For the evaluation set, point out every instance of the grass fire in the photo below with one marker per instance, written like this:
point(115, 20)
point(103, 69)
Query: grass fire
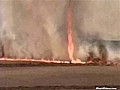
point(64, 31)
point(59, 44)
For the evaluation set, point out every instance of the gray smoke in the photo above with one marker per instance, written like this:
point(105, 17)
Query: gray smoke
point(38, 29)
point(34, 29)
point(96, 29)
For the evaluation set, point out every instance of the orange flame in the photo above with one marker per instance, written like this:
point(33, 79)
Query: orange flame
point(41, 61)
point(70, 42)
point(34, 60)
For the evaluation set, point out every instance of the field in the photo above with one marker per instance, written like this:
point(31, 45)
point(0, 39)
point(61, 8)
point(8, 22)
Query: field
point(56, 77)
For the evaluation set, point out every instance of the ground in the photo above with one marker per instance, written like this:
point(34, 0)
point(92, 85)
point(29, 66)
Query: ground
point(60, 76)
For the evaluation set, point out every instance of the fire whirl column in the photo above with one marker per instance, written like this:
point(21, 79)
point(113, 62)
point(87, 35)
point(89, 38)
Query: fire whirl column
point(69, 26)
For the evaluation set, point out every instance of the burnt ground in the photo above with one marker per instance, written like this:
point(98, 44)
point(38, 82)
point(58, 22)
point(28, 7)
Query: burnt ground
point(59, 77)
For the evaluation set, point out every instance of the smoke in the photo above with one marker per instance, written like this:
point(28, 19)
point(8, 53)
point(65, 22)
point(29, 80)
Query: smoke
point(96, 28)
point(34, 29)
point(38, 29)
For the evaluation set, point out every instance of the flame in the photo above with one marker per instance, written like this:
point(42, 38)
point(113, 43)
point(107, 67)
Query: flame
point(70, 39)
point(41, 60)
point(70, 47)
point(69, 24)
point(33, 60)
point(78, 61)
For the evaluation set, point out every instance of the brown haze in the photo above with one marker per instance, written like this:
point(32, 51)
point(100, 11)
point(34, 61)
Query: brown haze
point(38, 28)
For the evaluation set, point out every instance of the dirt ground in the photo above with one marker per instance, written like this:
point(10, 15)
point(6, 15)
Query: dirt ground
point(56, 76)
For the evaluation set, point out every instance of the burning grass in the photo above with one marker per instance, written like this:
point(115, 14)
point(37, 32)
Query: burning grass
point(43, 62)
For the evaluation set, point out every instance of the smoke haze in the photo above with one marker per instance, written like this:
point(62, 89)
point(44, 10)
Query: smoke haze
point(38, 29)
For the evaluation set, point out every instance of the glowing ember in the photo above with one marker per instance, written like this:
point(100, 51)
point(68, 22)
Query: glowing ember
point(70, 42)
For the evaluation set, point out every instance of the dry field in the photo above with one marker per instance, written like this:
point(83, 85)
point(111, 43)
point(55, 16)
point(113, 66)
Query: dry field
point(58, 77)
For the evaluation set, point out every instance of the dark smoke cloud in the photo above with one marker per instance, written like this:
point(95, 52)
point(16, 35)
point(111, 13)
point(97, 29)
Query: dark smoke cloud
point(38, 28)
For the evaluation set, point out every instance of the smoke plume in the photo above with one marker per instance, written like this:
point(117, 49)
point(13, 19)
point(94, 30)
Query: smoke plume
point(38, 29)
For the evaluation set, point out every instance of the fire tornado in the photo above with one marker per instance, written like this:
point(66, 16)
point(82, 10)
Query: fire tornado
point(69, 25)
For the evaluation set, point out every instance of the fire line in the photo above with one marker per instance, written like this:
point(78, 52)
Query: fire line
point(70, 46)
